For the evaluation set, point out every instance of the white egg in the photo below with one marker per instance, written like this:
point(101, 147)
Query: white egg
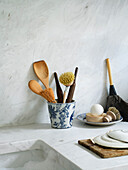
point(97, 109)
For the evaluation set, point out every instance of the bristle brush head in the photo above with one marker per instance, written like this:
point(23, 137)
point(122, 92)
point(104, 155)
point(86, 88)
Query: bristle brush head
point(67, 78)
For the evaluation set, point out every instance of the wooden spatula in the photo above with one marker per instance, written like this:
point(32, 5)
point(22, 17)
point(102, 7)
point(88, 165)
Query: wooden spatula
point(42, 72)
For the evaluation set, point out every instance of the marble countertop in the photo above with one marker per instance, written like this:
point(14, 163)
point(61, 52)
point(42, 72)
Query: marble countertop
point(63, 141)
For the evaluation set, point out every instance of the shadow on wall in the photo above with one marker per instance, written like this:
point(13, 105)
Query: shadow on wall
point(33, 110)
point(104, 91)
point(51, 80)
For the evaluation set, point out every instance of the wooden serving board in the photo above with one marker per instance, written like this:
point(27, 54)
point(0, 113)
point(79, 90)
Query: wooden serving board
point(103, 152)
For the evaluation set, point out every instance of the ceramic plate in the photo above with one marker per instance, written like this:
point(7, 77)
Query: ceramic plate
point(121, 135)
point(105, 140)
point(82, 117)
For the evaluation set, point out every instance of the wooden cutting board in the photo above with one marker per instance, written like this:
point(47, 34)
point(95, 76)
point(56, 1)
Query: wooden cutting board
point(103, 152)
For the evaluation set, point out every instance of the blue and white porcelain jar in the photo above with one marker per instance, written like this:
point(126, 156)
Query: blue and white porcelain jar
point(61, 114)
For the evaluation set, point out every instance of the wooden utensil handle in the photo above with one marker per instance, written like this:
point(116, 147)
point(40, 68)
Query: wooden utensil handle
point(109, 71)
point(71, 93)
point(58, 89)
point(72, 88)
point(64, 96)
point(76, 71)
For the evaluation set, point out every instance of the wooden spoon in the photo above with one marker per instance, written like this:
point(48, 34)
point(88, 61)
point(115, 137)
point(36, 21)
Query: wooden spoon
point(48, 93)
point(35, 87)
point(42, 72)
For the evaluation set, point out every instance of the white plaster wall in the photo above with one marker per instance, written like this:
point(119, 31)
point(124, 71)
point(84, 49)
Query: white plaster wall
point(66, 34)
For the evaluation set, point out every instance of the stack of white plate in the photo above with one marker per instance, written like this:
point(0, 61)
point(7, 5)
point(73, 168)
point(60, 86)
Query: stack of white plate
point(113, 139)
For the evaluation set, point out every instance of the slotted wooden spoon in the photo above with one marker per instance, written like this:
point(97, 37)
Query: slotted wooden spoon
point(42, 72)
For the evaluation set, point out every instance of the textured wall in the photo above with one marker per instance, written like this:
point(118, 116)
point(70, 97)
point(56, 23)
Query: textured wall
point(66, 34)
